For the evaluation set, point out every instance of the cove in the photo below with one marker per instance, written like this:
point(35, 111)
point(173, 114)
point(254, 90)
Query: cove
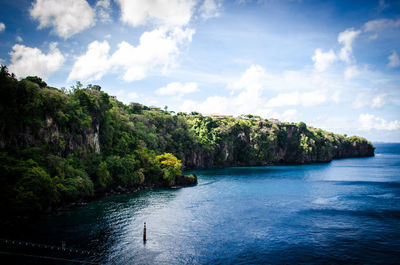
point(345, 211)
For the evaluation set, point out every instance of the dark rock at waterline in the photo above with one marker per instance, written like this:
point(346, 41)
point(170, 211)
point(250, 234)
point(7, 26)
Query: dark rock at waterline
point(186, 180)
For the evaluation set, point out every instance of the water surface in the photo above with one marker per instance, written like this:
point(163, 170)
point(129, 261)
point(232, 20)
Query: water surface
point(346, 211)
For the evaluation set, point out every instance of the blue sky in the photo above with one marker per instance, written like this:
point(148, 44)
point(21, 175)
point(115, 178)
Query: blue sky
point(332, 64)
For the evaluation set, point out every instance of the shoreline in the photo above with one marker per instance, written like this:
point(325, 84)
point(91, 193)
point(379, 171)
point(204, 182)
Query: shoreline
point(120, 191)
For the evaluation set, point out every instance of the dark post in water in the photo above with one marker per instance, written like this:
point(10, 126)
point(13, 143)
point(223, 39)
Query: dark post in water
point(63, 245)
point(144, 232)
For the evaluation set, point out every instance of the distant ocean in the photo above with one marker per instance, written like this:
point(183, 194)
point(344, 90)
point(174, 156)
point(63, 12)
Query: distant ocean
point(346, 211)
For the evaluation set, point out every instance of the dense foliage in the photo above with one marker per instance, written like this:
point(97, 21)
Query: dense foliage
point(59, 146)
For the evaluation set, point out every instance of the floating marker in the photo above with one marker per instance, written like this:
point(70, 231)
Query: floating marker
point(144, 232)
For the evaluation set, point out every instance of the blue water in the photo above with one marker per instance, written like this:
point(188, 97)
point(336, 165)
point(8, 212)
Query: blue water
point(346, 211)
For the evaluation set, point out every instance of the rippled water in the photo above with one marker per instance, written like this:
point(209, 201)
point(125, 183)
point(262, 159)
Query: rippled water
point(346, 211)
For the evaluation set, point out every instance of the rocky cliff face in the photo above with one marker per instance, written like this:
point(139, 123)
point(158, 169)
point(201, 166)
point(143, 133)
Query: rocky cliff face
point(50, 134)
point(293, 148)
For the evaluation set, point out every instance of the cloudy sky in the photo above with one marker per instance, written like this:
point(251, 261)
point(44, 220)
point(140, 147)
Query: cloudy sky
point(332, 64)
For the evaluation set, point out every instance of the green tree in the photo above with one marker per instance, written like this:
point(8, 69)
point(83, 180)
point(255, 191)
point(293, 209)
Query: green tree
point(170, 165)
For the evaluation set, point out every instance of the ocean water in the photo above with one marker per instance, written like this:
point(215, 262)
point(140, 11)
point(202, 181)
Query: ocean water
point(346, 211)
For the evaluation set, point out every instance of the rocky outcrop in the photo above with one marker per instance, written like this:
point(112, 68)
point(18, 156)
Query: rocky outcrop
point(186, 180)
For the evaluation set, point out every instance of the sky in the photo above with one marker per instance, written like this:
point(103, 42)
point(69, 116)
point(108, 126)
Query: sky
point(333, 64)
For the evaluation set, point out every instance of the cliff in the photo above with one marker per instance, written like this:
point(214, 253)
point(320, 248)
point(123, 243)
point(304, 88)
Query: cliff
point(251, 142)
point(62, 146)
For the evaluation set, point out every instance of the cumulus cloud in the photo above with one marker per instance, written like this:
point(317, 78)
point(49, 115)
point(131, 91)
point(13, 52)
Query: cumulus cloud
point(307, 99)
point(369, 100)
point(255, 92)
point(285, 99)
point(177, 89)
point(103, 10)
point(157, 48)
point(161, 12)
point(252, 80)
point(251, 93)
point(245, 97)
point(93, 64)
point(249, 88)
point(378, 101)
point(210, 8)
point(133, 95)
point(313, 98)
point(66, 17)
point(394, 60)
point(32, 61)
point(290, 115)
point(378, 25)
point(370, 121)
point(346, 38)
point(213, 104)
point(351, 72)
point(361, 100)
point(2, 27)
point(323, 60)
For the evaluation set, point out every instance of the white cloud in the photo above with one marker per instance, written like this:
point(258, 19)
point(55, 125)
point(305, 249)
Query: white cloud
point(351, 72)
point(373, 100)
point(378, 101)
point(133, 95)
point(161, 12)
point(93, 64)
point(103, 10)
point(290, 115)
point(250, 87)
point(307, 99)
point(32, 61)
point(67, 17)
point(177, 89)
point(346, 38)
point(245, 97)
point(369, 122)
point(210, 8)
point(157, 48)
point(2, 27)
point(255, 92)
point(313, 98)
point(285, 99)
point(213, 104)
point(323, 60)
point(373, 36)
point(19, 39)
point(250, 93)
point(253, 79)
point(361, 100)
point(394, 60)
point(378, 25)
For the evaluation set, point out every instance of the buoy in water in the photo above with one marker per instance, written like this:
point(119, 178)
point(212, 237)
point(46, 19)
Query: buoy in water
point(144, 232)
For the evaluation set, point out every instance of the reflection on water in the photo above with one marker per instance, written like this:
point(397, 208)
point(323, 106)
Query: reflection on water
point(347, 211)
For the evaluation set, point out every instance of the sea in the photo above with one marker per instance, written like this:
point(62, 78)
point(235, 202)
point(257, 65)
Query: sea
point(343, 212)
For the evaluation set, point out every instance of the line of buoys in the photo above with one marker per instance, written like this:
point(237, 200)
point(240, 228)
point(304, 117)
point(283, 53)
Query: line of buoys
point(63, 247)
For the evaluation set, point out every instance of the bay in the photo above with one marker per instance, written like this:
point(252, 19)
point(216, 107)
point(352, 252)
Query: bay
point(345, 211)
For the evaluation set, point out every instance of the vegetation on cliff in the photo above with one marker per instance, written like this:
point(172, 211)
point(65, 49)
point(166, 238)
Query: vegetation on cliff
point(59, 146)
